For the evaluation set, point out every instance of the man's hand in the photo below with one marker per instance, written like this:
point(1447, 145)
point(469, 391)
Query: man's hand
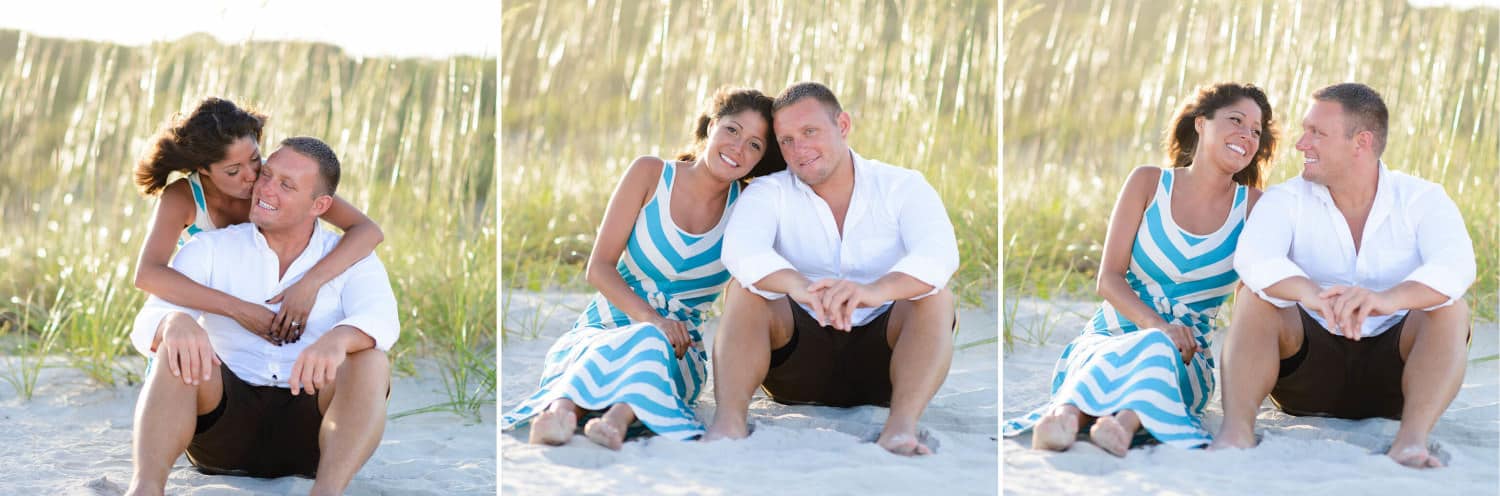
point(812, 299)
point(1348, 306)
point(839, 297)
point(186, 349)
point(317, 366)
point(256, 319)
point(677, 334)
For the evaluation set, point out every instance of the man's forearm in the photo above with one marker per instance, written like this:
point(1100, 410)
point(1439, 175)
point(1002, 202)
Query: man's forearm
point(784, 281)
point(351, 339)
point(899, 286)
point(1295, 288)
point(1412, 295)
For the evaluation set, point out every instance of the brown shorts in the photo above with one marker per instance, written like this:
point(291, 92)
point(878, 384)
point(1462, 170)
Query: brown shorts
point(1333, 376)
point(826, 366)
point(257, 431)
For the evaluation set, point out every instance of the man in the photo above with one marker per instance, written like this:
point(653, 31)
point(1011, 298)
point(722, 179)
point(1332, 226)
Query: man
point(862, 250)
point(1377, 263)
point(314, 406)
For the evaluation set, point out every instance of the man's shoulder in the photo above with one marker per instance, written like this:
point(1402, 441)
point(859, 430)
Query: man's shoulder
point(1294, 186)
point(1410, 187)
point(890, 176)
point(237, 233)
point(770, 183)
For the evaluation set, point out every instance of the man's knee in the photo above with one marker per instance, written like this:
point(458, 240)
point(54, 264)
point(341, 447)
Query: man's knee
point(371, 365)
point(737, 296)
point(1451, 322)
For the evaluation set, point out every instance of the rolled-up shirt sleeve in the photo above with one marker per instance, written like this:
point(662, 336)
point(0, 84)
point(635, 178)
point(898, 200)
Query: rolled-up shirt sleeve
point(1444, 245)
point(749, 251)
point(1263, 256)
point(369, 304)
point(194, 260)
point(927, 233)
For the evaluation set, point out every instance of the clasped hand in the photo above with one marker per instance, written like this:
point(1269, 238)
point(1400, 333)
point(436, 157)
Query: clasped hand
point(833, 301)
point(1346, 307)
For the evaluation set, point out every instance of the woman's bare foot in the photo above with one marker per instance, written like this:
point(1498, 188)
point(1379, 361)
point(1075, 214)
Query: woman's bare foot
point(603, 433)
point(609, 430)
point(1114, 432)
point(1057, 429)
point(554, 426)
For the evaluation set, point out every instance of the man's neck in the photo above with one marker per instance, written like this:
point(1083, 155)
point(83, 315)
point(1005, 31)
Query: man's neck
point(839, 187)
point(288, 244)
point(1355, 192)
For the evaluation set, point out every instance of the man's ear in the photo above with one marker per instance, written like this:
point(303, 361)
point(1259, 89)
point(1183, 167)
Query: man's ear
point(845, 123)
point(1365, 140)
point(321, 204)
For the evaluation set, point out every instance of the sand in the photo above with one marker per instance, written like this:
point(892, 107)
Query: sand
point(73, 437)
point(794, 450)
point(1298, 455)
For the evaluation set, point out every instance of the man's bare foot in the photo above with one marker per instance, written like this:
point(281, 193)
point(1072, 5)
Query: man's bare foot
point(1056, 430)
point(1233, 439)
point(603, 433)
point(904, 444)
point(1107, 433)
point(553, 427)
point(1414, 455)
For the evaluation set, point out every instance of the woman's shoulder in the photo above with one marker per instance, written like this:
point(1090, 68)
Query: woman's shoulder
point(1143, 179)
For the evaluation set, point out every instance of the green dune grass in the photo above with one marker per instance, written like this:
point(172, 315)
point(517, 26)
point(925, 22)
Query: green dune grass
point(416, 138)
point(1090, 86)
point(586, 90)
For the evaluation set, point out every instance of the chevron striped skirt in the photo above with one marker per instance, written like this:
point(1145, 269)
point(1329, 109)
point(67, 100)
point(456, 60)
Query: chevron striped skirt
point(635, 365)
point(1141, 370)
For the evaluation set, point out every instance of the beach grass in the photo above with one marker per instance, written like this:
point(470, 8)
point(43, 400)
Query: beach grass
point(1090, 86)
point(586, 90)
point(415, 137)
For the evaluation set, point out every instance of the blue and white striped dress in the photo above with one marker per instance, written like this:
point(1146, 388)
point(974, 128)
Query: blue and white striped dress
point(1114, 365)
point(201, 221)
point(607, 358)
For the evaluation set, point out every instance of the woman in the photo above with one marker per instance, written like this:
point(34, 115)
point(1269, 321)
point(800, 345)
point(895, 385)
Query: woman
point(1143, 360)
point(217, 147)
point(636, 352)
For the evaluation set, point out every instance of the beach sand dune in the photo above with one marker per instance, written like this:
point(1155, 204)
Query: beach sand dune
point(794, 449)
point(73, 437)
point(1298, 455)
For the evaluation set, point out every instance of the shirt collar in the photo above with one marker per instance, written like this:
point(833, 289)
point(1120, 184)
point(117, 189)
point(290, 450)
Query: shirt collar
point(1383, 186)
point(318, 233)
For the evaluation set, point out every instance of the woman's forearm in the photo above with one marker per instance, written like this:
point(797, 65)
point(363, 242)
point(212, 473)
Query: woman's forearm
point(613, 287)
point(358, 242)
point(1117, 292)
point(168, 284)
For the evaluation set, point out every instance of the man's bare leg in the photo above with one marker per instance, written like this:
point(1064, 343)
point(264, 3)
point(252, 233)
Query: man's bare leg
point(166, 414)
point(1433, 345)
point(353, 419)
point(1114, 432)
point(1057, 429)
point(556, 423)
point(609, 430)
point(1260, 334)
point(921, 339)
point(751, 327)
